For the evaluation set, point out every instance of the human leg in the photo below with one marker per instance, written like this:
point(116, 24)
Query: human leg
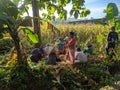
point(72, 55)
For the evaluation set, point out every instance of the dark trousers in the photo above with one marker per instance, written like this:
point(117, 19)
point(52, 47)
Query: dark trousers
point(109, 45)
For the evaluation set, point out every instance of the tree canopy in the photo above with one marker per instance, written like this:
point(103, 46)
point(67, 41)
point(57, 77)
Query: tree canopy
point(58, 6)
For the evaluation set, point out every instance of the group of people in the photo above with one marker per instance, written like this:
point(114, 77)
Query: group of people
point(69, 51)
point(65, 48)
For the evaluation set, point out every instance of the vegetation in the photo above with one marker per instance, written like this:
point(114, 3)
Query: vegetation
point(10, 16)
point(99, 73)
point(17, 72)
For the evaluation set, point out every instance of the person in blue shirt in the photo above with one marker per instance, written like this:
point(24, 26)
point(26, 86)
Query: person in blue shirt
point(112, 39)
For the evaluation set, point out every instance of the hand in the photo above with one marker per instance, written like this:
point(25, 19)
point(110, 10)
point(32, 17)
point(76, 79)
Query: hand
point(67, 45)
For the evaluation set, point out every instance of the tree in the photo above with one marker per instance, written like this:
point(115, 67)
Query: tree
point(111, 12)
point(9, 20)
point(36, 19)
point(53, 6)
point(10, 16)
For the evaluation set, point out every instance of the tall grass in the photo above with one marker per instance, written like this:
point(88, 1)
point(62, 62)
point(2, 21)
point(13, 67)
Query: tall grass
point(94, 33)
point(97, 34)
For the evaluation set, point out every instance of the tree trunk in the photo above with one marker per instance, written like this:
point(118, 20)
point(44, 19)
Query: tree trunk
point(21, 55)
point(36, 19)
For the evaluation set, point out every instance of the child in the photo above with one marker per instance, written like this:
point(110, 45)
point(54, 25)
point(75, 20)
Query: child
point(80, 56)
point(60, 46)
point(89, 49)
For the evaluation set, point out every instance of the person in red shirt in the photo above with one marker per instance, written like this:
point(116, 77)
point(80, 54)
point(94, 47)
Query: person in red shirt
point(71, 47)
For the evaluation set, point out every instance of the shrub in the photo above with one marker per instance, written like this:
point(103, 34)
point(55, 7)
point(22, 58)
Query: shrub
point(7, 43)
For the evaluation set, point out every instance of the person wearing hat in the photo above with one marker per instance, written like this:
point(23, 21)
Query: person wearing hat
point(71, 47)
point(112, 39)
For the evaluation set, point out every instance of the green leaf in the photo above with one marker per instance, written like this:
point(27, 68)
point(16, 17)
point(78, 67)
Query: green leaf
point(49, 19)
point(76, 14)
point(82, 14)
point(31, 35)
point(87, 11)
point(51, 9)
point(111, 11)
point(41, 6)
point(117, 25)
point(100, 38)
point(71, 12)
point(44, 15)
point(62, 3)
point(6, 19)
point(8, 8)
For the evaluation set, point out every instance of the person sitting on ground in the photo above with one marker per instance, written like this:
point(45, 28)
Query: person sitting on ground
point(89, 49)
point(112, 39)
point(64, 56)
point(80, 56)
point(47, 49)
point(60, 46)
point(37, 54)
point(52, 58)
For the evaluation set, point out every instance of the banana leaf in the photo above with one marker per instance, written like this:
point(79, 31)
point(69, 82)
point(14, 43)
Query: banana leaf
point(31, 35)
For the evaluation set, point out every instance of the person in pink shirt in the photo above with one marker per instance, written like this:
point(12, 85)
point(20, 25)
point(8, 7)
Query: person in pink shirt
point(71, 47)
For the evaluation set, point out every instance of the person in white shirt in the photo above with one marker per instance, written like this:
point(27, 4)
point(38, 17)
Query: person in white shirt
point(80, 56)
point(47, 49)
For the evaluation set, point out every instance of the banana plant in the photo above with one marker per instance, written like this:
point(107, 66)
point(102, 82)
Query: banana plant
point(112, 17)
point(10, 21)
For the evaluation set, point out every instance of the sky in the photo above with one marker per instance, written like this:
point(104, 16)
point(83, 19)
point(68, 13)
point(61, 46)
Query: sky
point(95, 6)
